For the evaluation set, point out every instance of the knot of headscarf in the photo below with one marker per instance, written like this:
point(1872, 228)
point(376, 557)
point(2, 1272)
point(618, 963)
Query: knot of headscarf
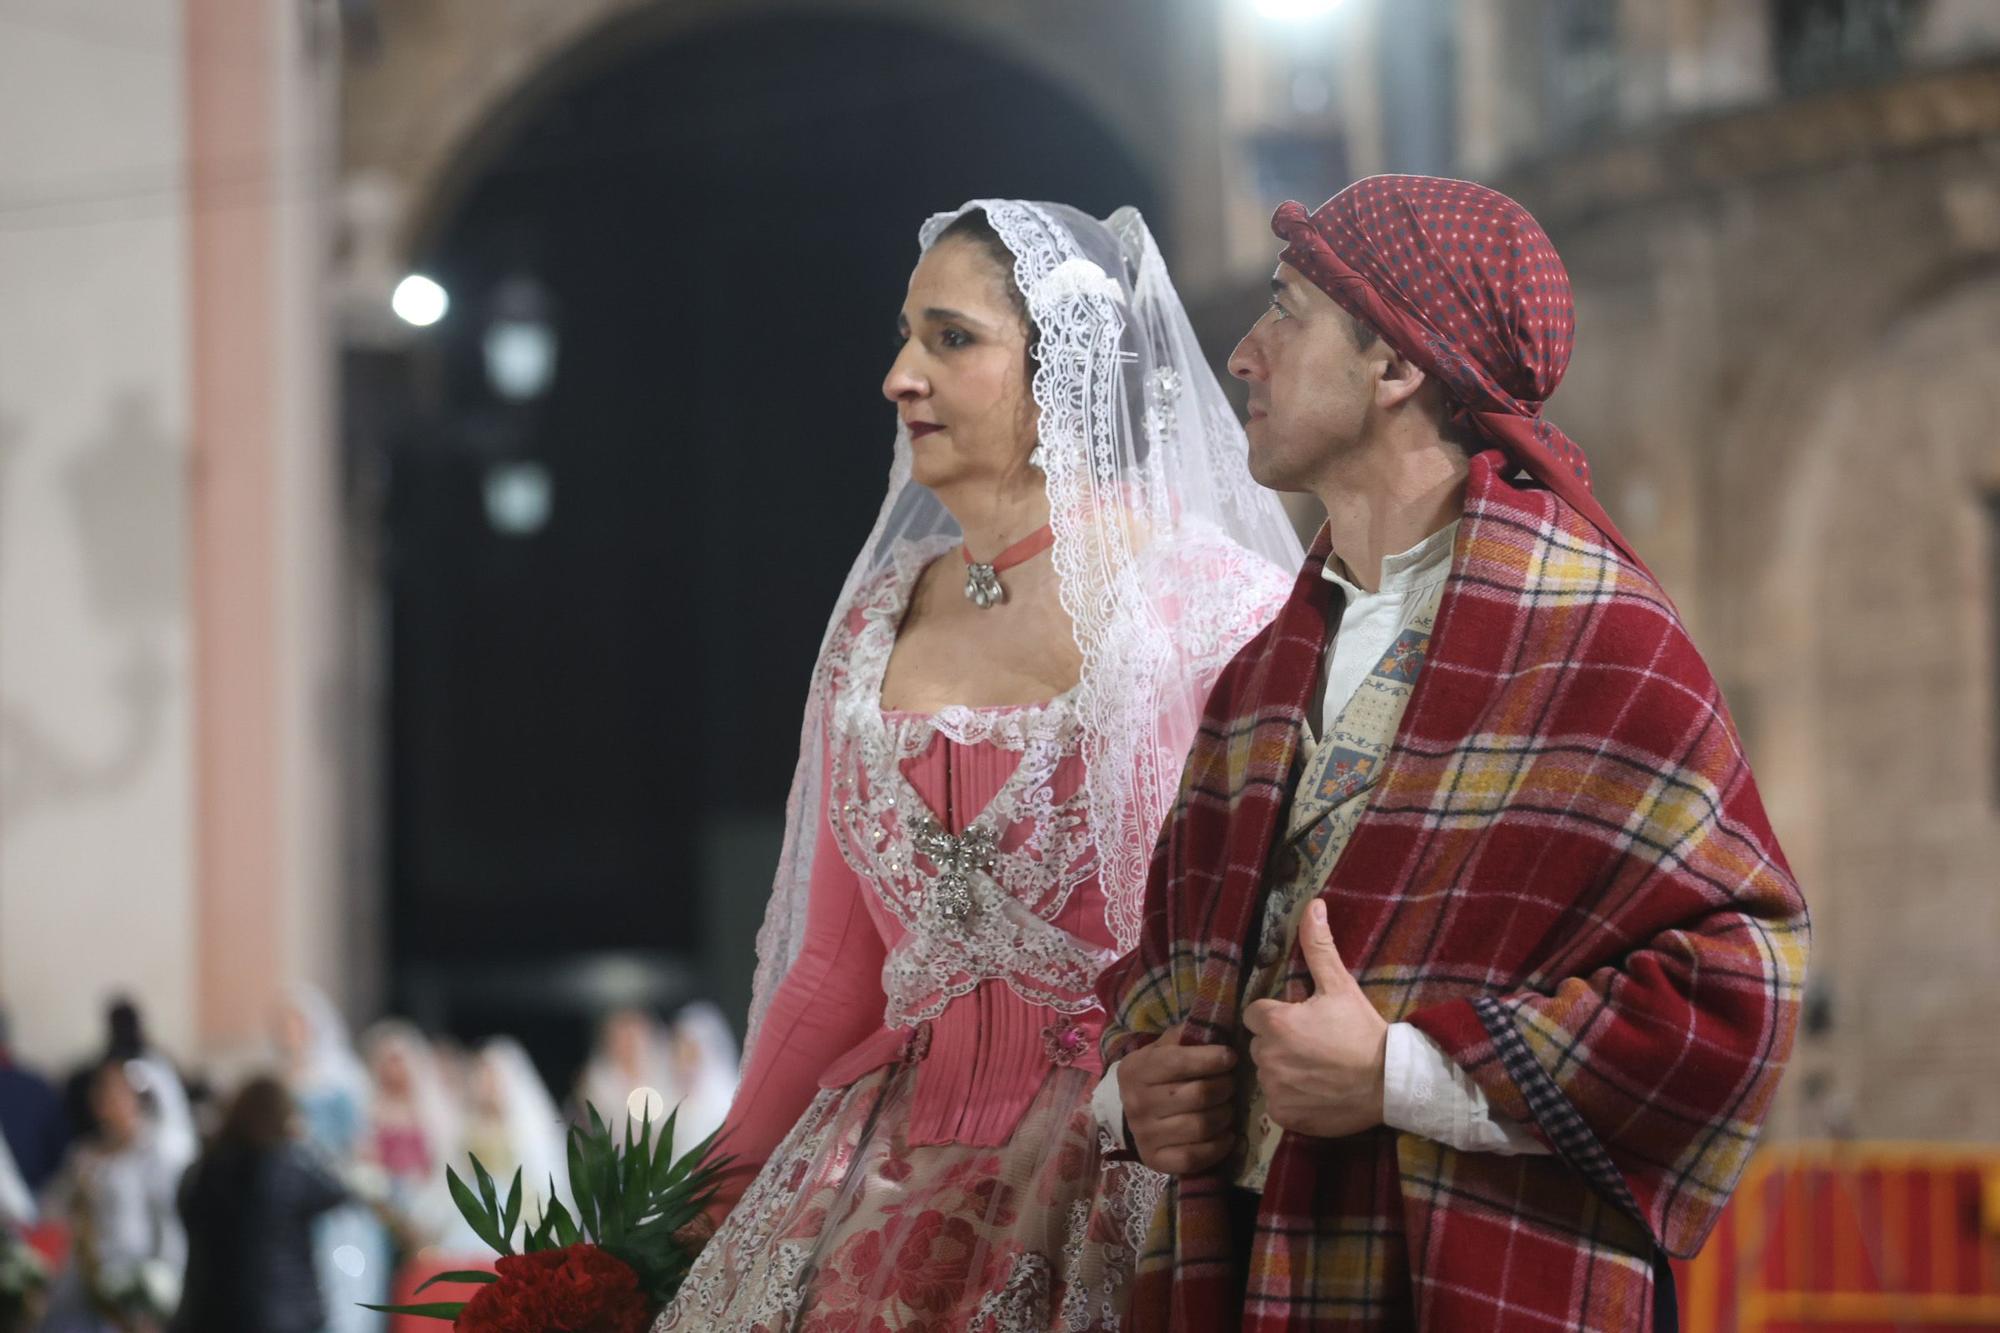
point(1461, 280)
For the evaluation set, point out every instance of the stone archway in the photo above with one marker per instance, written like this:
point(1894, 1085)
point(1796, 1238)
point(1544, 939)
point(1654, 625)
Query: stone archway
point(453, 79)
point(1875, 674)
point(683, 209)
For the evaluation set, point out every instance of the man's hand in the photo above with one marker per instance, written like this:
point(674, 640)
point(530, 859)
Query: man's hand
point(1319, 1062)
point(1179, 1103)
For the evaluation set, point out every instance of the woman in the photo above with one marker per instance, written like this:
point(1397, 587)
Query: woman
point(250, 1206)
point(1070, 549)
point(118, 1195)
point(330, 1086)
point(630, 1075)
point(703, 1052)
point(511, 1124)
point(413, 1127)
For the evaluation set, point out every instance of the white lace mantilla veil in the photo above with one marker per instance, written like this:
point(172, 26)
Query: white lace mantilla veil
point(1166, 552)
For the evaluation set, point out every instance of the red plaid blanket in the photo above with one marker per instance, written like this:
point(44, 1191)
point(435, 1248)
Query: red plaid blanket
point(1564, 876)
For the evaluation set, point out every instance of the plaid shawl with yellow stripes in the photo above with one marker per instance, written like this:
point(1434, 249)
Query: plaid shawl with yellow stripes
point(1564, 877)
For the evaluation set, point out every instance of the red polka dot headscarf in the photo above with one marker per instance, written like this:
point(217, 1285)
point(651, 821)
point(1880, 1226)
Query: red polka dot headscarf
point(1462, 281)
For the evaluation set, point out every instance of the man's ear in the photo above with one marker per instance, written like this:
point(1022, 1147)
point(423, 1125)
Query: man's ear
point(1401, 380)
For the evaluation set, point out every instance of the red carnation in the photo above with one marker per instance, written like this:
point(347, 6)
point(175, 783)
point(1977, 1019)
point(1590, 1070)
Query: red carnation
point(577, 1289)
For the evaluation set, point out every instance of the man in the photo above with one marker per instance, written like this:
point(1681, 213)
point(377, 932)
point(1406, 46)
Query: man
point(32, 1129)
point(1469, 961)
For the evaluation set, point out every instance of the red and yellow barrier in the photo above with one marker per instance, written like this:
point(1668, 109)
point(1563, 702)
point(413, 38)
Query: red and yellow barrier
point(1854, 1238)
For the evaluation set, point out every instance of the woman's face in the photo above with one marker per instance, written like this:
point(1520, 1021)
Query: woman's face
point(487, 1090)
point(628, 1039)
point(960, 380)
point(116, 1105)
point(392, 1070)
point(294, 1033)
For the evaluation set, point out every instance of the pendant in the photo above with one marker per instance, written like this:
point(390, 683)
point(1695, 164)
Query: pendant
point(982, 586)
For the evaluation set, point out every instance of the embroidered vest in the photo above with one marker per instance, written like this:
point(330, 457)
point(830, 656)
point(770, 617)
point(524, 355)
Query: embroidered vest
point(1336, 775)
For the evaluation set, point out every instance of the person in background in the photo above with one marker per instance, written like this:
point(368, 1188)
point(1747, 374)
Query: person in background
point(17, 1202)
point(631, 1072)
point(331, 1088)
point(124, 1039)
point(117, 1194)
point(250, 1206)
point(32, 1124)
point(413, 1127)
point(511, 1123)
point(704, 1057)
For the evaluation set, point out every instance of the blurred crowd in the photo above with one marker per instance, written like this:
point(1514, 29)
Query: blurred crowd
point(136, 1197)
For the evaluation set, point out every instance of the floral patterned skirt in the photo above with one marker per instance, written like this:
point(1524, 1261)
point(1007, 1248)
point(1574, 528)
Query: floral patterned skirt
point(849, 1227)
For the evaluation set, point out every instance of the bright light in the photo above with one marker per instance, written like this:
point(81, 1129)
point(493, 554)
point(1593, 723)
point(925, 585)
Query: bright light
point(518, 497)
point(419, 301)
point(1294, 10)
point(646, 1105)
point(520, 359)
point(350, 1261)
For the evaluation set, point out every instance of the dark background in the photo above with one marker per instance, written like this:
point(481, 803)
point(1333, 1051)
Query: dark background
point(593, 727)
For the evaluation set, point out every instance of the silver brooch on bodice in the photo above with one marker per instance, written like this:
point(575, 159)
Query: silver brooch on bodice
point(982, 586)
point(958, 858)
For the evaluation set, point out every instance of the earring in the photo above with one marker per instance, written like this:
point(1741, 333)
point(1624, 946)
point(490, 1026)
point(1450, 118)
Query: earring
point(1036, 458)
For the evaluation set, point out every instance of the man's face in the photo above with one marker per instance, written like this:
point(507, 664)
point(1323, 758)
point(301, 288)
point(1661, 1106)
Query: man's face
point(1310, 384)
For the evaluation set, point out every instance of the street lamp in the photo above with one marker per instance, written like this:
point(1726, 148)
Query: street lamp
point(519, 342)
point(1294, 11)
point(420, 301)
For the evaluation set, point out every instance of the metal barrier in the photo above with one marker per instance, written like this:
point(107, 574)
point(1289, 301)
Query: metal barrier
point(1866, 1237)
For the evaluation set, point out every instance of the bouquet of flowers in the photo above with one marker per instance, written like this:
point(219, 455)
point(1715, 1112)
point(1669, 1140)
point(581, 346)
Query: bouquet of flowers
point(24, 1281)
point(145, 1293)
point(608, 1268)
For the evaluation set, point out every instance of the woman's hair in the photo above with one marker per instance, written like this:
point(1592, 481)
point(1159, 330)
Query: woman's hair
point(260, 1117)
point(973, 225)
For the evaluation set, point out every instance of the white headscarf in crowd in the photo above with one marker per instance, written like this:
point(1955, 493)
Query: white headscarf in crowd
point(705, 1061)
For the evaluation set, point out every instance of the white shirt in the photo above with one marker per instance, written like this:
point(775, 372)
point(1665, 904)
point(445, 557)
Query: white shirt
point(17, 1205)
point(1424, 1092)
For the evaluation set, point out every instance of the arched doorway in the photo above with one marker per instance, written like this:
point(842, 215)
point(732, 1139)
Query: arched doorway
point(595, 708)
point(1877, 745)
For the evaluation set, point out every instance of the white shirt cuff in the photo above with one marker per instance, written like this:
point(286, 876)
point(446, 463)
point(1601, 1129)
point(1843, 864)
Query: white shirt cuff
point(1425, 1092)
point(1108, 1105)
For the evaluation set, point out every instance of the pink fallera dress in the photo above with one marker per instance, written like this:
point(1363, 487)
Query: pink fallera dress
point(913, 1136)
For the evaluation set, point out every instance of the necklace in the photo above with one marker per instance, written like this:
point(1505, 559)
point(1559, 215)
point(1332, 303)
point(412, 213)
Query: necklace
point(982, 581)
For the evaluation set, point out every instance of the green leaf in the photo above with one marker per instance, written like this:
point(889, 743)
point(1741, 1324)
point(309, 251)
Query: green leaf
point(566, 1231)
point(625, 1171)
point(446, 1310)
point(489, 1194)
point(542, 1237)
point(468, 1203)
point(659, 1151)
point(512, 1217)
point(482, 1223)
point(580, 1186)
point(478, 1275)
